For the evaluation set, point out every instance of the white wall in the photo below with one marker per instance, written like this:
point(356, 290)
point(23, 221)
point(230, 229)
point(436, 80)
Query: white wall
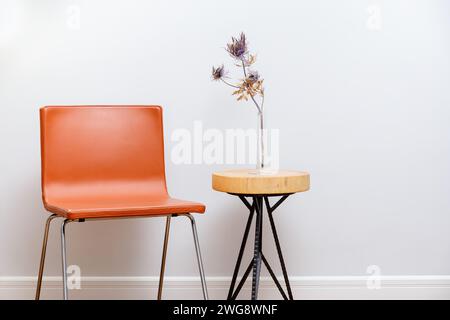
point(365, 111)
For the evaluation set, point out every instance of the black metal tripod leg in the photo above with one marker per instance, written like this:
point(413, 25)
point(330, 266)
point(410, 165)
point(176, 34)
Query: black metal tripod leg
point(272, 274)
point(277, 243)
point(241, 250)
point(241, 283)
point(257, 249)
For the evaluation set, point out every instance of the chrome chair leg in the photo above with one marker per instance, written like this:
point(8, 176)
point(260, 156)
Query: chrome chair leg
point(64, 260)
point(199, 256)
point(44, 250)
point(164, 254)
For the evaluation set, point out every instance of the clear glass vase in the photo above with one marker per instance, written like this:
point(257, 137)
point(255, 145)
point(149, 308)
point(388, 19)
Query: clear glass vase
point(260, 143)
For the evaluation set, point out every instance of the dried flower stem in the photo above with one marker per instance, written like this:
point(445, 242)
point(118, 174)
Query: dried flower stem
point(262, 136)
point(251, 96)
point(261, 117)
point(229, 84)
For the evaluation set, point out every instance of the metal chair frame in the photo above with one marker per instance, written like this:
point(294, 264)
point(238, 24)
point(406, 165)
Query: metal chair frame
point(163, 259)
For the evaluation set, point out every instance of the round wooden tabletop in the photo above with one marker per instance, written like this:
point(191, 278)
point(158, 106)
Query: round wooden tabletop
point(246, 181)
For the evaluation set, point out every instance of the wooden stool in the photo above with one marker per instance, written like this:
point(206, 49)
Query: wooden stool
point(245, 183)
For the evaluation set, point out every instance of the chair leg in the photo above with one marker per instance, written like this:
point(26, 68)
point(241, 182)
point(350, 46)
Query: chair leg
point(164, 254)
point(44, 250)
point(64, 260)
point(199, 256)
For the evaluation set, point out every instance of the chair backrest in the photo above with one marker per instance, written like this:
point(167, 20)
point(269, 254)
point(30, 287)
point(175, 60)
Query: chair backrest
point(95, 151)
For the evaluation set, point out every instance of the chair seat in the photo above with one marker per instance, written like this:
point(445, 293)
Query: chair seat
point(125, 206)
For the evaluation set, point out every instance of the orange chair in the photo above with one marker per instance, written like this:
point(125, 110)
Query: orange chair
point(106, 162)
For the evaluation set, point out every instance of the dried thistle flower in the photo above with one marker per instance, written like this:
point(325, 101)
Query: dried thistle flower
point(218, 73)
point(252, 84)
point(252, 76)
point(249, 60)
point(238, 47)
point(249, 88)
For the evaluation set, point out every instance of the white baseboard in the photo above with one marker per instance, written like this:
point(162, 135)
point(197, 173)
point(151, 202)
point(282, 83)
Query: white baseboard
point(326, 287)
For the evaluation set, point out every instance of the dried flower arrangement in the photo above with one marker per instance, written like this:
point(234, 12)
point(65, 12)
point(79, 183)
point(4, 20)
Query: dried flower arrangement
point(249, 87)
point(252, 84)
